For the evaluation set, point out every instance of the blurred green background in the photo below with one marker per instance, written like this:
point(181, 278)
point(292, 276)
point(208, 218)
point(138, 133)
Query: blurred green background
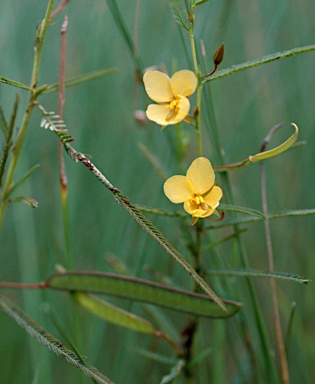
point(100, 116)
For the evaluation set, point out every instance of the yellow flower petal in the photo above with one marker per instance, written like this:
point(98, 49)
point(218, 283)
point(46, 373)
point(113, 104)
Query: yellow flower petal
point(183, 106)
point(201, 175)
point(163, 115)
point(213, 197)
point(158, 86)
point(158, 113)
point(183, 83)
point(177, 189)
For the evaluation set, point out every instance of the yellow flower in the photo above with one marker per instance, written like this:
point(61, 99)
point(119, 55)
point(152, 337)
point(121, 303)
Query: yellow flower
point(171, 94)
point(197, 190)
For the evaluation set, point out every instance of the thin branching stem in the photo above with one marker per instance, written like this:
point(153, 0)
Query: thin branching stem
point(60, 7)
point(16, 285)
point(40, 38)
point(275, 308)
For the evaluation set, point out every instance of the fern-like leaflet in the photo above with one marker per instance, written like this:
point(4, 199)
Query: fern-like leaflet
point(52, 121)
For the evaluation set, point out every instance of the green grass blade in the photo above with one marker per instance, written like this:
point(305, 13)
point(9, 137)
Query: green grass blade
point(115, 315)
point(157, 357)
point(50, 342)
point(224, 239)
point(141, 290)
point(112, 5)
point(201, 356)
point(62, 329)
point(3, 122)
point(289, 331)
point(261, 274)
point(8, 132)
point(22, 180)
point(85, 77)
point(257, 62)
point(153, 160)
point(14, 83)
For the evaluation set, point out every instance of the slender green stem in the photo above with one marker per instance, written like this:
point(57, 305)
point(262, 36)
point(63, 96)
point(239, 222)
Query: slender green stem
point(40, 37)
point(197, 247)
point(8, 133)
point(193, 50)
point(199, 90)
point(112, 5)
point(198, 128)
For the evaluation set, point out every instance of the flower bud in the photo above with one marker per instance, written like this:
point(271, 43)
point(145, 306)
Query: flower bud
point(218, 56)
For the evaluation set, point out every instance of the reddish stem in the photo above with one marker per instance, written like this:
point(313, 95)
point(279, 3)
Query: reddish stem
point(61, 101)
point(59, 8)
point(211, 73)
point(9, 284)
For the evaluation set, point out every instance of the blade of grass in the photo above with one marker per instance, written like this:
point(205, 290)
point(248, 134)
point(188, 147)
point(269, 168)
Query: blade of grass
point(49, 341)
point(85, 77)
point(3, 122)
point(112, 5)
point(23, 179)
point(8, 132)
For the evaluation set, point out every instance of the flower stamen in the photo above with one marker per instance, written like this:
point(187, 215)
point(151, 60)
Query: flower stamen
point(174, 108)
point(205, 206)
